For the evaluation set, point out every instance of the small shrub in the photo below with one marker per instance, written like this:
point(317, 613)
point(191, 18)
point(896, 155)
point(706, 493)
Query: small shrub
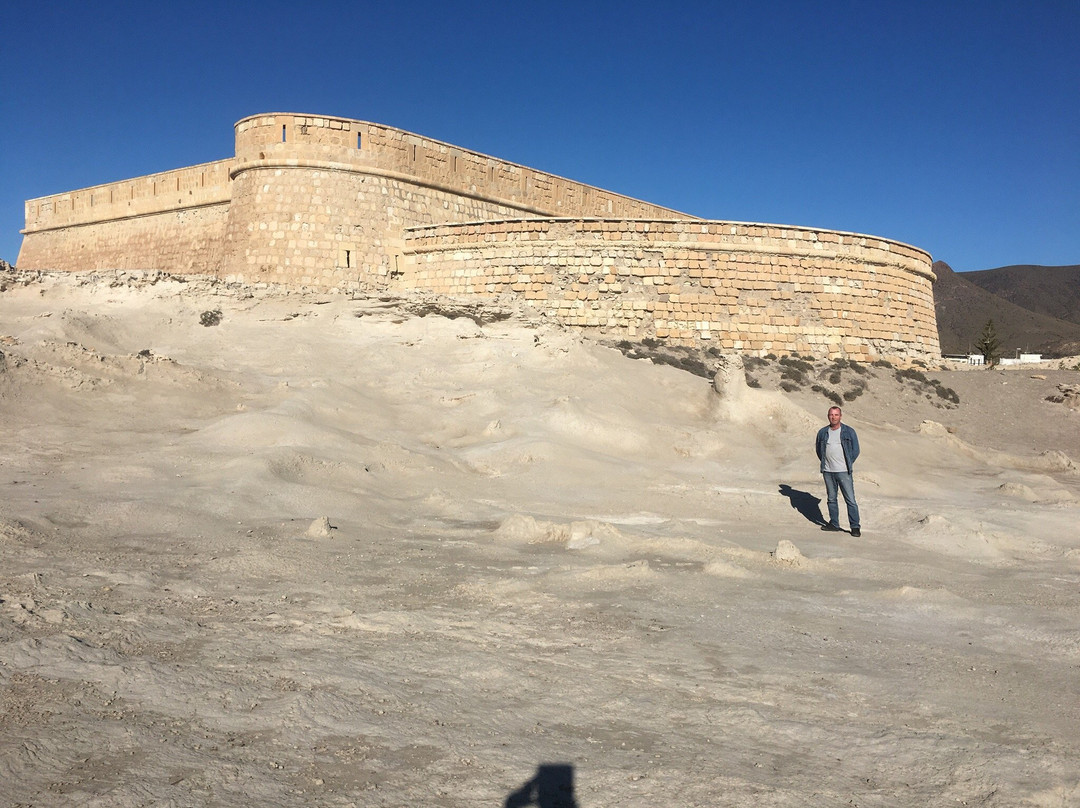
point(752, 382)
point(679, 357)
point(948, 393)
point(794, 374)
point(834, 377)
point(913, 374)
point(882, 363)
point(795, 362)
point(771, 357)
point(209, 318)
point(691, 365)
point(834, 397)
point(853, 394)
point(788, 386)
point(860, 369)
point(840, 363)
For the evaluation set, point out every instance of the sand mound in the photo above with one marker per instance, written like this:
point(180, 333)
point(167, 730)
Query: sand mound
point(725, 569)
point(525, 529)
point(788, 553)
point(320, 528)
point(1047, 460)
point(535, 549)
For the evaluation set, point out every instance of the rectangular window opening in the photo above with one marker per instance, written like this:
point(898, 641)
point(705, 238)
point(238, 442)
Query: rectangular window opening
point(359, 139)
point(283, 133)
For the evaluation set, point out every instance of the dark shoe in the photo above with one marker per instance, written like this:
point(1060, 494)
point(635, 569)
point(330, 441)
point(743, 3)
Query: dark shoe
point(856, 532)
point(831, 528)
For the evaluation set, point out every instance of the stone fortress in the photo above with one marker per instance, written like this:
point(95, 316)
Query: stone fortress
point(341, 205)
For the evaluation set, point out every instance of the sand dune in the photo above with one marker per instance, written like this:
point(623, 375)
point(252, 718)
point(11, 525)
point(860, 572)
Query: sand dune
point(332, 552)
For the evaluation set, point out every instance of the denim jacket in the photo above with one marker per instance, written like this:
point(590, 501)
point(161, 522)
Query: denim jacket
point(849, 442)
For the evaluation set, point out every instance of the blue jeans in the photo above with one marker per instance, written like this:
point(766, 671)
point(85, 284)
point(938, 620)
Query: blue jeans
point(843, 481)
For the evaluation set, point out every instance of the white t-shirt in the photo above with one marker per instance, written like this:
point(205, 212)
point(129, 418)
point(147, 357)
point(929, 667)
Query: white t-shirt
point(834, 452)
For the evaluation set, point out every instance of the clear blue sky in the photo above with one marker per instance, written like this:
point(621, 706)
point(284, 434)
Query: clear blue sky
point(953, 126)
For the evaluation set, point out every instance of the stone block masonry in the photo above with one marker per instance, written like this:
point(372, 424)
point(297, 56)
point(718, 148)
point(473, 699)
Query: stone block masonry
point(745, 288)
point(173, 220)
point(344, 205)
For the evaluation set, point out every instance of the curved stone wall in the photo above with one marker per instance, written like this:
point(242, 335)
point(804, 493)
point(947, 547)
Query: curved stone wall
point(748, 288)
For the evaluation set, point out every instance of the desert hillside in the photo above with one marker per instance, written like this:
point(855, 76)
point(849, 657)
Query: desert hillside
point(274, 549)
point(1019, 304)
point(1053, 291)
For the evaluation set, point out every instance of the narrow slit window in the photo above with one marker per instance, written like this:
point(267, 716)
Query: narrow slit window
point(359, 139)
point(283, 133)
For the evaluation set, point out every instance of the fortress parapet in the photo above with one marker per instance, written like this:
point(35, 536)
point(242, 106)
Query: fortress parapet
point(341, 144)
point(341, 205)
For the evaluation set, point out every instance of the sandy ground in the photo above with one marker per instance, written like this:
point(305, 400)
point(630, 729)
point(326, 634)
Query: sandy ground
point(547, 574)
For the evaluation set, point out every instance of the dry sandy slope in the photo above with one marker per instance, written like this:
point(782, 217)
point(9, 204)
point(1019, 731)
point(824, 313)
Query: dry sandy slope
point(542, 552)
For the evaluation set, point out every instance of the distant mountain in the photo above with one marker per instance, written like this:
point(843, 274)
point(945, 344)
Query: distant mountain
point(1054, 291)
point(963, 307)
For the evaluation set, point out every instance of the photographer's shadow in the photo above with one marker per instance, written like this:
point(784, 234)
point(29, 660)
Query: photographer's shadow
point(804, 502)
point(551, 787)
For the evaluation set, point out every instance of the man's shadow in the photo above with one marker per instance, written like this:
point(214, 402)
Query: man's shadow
point(805, 503)
point(551, 787)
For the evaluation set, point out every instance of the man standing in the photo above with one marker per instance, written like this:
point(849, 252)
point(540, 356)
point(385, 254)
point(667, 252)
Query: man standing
point(837, 448)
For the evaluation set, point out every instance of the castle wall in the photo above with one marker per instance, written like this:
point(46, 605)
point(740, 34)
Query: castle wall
point(748, 288)
point(323, 202)
point(174, 220)
point(189, 241)
point(345, 144)
point(338, 204)
point(332, 229)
